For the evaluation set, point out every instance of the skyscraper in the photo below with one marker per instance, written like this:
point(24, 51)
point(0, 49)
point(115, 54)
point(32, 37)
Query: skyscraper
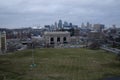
point(88, 25)
point(56, 25)
point(98, 27)
point(60, 24)
point(82, 25)
point(71, 25)
point(65, 24)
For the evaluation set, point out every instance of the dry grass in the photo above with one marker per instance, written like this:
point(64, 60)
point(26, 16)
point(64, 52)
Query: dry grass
point(59, 64)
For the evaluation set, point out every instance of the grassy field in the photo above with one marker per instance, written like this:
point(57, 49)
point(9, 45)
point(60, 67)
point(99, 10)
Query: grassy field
point(59, 64)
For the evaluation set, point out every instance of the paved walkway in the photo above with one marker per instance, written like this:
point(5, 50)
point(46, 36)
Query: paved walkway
point(113, 50)
point(112, 78)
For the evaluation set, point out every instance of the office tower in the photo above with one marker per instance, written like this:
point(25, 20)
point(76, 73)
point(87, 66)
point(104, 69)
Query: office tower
point(82, 25)
point(88, 24)
point(55, 26)
point(98, 27)
point(47, 27)
point(70, 24)
point(114, 26)
point(52, 27)
point(65, 24)
point(60, 24)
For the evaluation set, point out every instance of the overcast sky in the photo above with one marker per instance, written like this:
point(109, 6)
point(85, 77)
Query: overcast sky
point(21, 13)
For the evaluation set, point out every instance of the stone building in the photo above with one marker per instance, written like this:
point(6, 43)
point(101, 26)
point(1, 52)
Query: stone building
point(3, 46)
point(56, 38)
point(0, 42)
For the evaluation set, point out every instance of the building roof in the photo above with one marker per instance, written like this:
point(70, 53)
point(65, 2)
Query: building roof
point(56, 33)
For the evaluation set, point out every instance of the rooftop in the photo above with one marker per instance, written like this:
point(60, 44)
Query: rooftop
point(57, 33)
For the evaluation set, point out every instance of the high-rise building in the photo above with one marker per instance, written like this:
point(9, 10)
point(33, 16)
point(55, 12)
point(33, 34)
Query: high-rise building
point(98, 27)
point(114, 26)
point(60, 24)
point(70, 24)
point(56, 25)
point(65, 24)
point(88, 24)
point(82, 25)
point(47, 27)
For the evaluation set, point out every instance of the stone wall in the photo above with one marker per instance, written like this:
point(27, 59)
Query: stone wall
point(56, 38)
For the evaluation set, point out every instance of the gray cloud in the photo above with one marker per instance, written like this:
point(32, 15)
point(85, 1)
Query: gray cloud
point(18, 13)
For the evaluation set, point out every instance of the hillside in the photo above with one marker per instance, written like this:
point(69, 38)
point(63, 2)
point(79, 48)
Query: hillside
point(59, 64)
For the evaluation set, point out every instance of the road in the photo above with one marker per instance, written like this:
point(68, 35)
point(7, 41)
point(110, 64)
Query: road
point(113, 50)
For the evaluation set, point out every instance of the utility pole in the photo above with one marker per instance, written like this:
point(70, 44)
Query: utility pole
point(4, 77)
point(33, 58)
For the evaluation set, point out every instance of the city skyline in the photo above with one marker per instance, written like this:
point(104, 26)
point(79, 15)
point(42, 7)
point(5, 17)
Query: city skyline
point(24, 13)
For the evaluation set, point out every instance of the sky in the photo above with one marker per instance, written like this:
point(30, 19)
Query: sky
point(27, 13)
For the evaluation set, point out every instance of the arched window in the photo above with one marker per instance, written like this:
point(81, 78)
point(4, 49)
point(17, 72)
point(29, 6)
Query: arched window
point(64, 39)
point(58, 39)
point(52, 39)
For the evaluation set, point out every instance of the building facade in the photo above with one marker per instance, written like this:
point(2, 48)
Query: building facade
point(56, 38)
point(60, 25)
point(94, 35)
point(0, 43)
point(3, 45)
point(98, 27)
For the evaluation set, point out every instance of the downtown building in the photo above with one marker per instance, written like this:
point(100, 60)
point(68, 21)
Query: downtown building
point(98, 27)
